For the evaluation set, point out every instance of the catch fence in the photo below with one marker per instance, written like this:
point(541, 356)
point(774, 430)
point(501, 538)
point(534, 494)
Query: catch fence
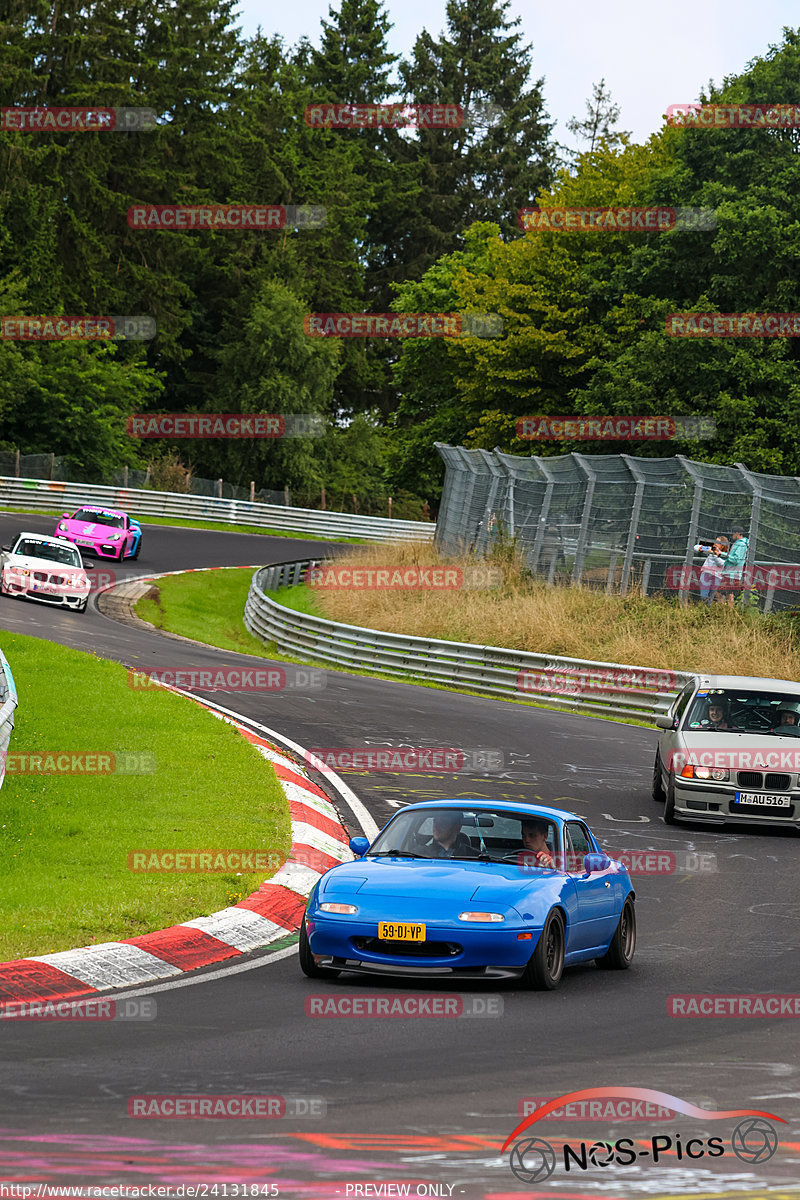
point(620, 522)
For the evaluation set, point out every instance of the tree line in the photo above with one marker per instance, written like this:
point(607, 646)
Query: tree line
point(421, 220)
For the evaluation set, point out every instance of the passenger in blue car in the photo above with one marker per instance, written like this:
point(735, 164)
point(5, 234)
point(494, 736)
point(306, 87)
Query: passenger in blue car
point(534, 835)
point(448, 841)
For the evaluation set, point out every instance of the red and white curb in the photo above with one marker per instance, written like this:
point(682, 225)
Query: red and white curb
point(319, 842)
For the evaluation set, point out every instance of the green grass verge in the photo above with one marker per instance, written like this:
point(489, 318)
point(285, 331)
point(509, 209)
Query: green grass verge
point(65, 839)
point(191, 523)
point(205, 605)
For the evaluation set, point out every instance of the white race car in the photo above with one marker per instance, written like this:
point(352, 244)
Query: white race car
point(45, 568)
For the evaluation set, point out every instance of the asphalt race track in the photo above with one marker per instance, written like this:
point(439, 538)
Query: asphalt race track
point(427, 1102)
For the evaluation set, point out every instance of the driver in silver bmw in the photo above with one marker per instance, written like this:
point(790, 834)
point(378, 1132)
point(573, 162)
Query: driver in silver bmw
point(788, 714)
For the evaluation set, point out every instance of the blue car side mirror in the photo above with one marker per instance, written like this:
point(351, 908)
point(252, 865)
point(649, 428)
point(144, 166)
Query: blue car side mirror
point(359, 846)
point(596, 862)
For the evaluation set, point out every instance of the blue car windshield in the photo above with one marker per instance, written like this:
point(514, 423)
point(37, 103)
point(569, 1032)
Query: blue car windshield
point(739, 710)
point(466, 833)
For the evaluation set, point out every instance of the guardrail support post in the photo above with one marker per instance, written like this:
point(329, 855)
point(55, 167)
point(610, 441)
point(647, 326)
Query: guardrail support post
point(543, 514)
point(633, 528)
point(583, 535)
point(252, 491)
point(694, 521)
point(612, 567)
point(755, 514)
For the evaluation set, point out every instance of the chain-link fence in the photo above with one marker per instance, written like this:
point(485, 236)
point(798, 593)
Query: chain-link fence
point(620, 522)
point(51, 466)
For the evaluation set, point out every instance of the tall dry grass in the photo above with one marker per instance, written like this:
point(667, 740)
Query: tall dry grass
point(576, 622)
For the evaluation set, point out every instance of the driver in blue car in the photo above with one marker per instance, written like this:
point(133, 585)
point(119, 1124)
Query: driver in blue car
point(534, 839)
point(448, 841)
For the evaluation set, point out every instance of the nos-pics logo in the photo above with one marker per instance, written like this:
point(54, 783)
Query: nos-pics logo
point(533, 1159)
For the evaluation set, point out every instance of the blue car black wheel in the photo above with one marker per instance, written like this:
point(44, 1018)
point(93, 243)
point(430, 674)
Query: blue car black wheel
point(307, 964)
point(546, 965)
point(619, 955)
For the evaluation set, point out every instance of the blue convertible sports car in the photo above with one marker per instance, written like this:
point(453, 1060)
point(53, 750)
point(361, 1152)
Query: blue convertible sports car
point(472, 889)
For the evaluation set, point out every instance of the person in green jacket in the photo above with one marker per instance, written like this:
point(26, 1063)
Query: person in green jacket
point(733, 567)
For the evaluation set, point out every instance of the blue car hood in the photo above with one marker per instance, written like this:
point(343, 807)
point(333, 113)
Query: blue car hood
point(445, 879)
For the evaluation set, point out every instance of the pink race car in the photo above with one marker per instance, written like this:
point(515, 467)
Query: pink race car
point(108, 532)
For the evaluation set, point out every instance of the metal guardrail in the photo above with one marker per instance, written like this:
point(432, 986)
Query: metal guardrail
point(8, 702)
point(42, 493)
point(492, 670)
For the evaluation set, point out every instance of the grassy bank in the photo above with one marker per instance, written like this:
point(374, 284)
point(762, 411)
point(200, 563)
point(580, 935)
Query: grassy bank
point(206, 605)
point(575, 622)
point(646, 631)
point(65, 839)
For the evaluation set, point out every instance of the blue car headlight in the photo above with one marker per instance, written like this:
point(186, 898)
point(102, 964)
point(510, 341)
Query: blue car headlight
point(480, 916)
point(344, 909)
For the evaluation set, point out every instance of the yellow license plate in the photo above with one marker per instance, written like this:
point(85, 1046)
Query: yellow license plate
point(400, 931)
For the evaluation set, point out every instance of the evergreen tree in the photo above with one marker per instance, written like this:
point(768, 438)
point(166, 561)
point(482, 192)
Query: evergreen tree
point(600, 121)
point(500, 158)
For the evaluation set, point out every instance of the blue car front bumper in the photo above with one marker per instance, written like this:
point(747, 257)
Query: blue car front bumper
point(465, 950)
